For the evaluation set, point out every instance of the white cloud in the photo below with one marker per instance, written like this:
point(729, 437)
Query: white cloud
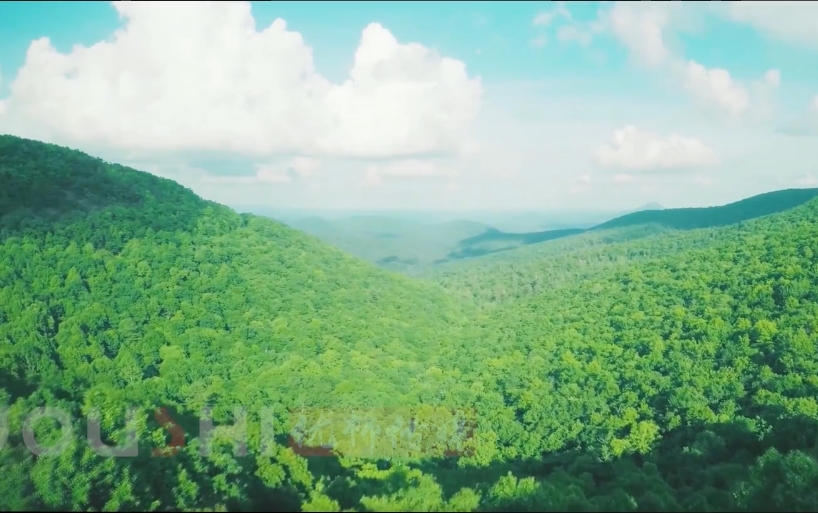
point(199, 76)
point(636, 150)
point(544, 19)
point(581, 184)
point(269, 174)
point(640, 26)
point(794, 22)
point(305, 166)
point(643, 27)
point(273, 173)
point(573, 33)
point(569, 30)
point(539, 41)
point(773, 77)
point(716, 88)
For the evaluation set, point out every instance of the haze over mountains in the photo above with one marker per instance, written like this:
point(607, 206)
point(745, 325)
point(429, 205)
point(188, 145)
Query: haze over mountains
point(408, 241)
point(664, 360)
point(411, 244)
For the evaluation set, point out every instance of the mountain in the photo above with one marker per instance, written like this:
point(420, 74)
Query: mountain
point(650, 206)
point(494, 241)
point(119, 289)
point(691, 218)
point(630, 368)
point(410, 243)
point(698, 358)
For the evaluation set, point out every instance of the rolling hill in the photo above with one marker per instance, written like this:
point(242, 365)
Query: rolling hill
point(692, 218)
point(120, 289)
point(630, 368)
point(494, 241)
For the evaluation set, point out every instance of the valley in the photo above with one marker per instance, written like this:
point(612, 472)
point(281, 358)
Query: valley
point(663, 360)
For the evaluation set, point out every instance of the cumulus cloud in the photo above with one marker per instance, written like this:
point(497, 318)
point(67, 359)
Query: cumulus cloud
point(794, 22)
point(635, 150)
point(305, 166)
point(271, 173)
point(773, 77)
point(716, 88)
point(574, 33)
point(200, 76)
point(640, 28)
point(545, 18)
point(643, 27)
point(569, 29)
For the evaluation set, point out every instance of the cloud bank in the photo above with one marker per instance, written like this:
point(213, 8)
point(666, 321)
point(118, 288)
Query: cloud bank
point(635, 150)
point(200, 76)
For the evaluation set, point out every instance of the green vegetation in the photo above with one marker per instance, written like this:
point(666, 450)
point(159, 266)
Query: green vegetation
point(494, 241)
point(639, 368)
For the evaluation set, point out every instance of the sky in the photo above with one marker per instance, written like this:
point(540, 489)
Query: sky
point(426, 105)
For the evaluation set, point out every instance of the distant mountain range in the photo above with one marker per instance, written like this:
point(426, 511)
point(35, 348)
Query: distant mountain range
point(492, 241)
point(650, 206)
point(403, 241)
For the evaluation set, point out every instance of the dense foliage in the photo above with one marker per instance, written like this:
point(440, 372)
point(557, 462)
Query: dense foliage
point(624, 370)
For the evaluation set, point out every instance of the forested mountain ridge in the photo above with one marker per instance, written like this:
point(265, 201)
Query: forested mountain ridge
point(709, 217)
point(656, 371)
point(565, 258)
point(47, 186)
point(712, 350)
point(495, 241)
point(129, 291)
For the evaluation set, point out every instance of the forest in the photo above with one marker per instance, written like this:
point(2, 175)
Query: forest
point(641, 366)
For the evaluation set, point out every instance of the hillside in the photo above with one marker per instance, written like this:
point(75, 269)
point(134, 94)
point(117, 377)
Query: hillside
point(495, 241)
point(629, 369)
point(702, 361)
point(692, 218)
point(120, 289)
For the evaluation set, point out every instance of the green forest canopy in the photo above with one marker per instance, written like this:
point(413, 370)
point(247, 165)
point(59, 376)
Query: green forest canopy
point(620, 370)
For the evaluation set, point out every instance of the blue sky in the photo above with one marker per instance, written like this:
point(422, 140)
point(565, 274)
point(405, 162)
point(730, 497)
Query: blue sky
point(447, 105)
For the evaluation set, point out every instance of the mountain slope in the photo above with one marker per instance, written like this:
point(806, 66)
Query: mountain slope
point(692, 218)
point(497, 249)
point(663, 371)
point(710, 350)
point(119, 289)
